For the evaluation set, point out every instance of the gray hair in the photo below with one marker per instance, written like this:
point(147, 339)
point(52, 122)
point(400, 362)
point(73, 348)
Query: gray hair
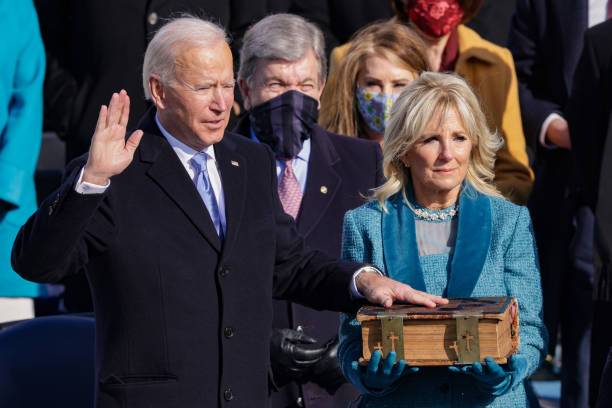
point(281, 36)
point(170, 40)
point(429, 95)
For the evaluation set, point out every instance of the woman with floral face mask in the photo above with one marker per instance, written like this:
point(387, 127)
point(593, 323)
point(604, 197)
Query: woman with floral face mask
point(359, 95)
point(488, 68)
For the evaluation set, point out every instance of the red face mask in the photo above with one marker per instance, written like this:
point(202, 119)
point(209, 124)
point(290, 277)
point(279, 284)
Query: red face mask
point(435, 18)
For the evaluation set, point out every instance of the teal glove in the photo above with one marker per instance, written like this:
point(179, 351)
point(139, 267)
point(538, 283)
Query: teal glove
point(491, 378)
point(380, 375)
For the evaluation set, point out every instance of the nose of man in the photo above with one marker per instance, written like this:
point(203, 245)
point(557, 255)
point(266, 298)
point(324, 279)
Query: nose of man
point(219, 103)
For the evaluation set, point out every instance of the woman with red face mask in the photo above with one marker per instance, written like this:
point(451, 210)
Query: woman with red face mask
point(488, 68)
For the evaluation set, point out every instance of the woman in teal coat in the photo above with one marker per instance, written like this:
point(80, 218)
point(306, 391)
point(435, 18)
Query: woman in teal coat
point(22, 60)
point(440, 225)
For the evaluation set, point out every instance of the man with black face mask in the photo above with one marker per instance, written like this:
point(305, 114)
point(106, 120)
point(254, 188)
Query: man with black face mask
point(321, 175)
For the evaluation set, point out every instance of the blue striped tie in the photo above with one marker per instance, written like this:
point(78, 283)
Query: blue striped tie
point(202, 182)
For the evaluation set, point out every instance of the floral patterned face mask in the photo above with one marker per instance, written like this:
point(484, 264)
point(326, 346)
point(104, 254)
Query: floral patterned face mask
point(375, 108)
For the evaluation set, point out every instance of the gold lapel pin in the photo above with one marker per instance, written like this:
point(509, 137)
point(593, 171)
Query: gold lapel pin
point(324, 189)
point(235, 163)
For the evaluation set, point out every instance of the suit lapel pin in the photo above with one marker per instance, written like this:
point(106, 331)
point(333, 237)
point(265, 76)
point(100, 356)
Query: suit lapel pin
point(324, 189)
point(235, 163)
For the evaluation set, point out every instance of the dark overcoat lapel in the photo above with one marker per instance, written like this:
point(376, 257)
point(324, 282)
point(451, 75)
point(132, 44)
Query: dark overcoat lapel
point(234, 174)
point(168, 172)
point(322, 183)
point(400, 248)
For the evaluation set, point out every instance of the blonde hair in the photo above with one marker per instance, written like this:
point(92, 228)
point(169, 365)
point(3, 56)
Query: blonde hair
point(433, 95)
point(395, 42)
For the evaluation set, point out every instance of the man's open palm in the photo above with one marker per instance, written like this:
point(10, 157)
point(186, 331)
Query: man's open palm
point(110, 153)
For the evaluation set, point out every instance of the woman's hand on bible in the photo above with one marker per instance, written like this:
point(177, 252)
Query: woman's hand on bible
point(379, 375)
point(491, 378)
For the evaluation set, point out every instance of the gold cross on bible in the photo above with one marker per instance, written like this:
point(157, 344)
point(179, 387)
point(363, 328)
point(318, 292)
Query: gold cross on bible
point(378, 347)
point(393, 338)
point(455, 347)
point(468, 339)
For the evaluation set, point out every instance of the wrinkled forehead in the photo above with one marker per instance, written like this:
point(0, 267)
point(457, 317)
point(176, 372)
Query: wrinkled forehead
point(305, 68)
point(204, 61)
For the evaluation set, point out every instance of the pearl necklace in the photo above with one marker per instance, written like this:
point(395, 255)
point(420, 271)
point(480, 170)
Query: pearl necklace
point(434, 215)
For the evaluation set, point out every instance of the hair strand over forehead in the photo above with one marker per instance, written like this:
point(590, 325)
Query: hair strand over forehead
point(171, 39)
point(431, 97)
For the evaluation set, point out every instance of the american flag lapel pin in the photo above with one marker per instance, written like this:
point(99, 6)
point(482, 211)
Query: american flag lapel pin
point(235, 163)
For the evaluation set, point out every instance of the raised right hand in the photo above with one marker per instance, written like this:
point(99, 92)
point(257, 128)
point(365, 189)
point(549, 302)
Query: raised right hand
point(110, 153)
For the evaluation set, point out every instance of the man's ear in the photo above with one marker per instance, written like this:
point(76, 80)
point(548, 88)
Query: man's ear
point(245, 91)
point(156, 89)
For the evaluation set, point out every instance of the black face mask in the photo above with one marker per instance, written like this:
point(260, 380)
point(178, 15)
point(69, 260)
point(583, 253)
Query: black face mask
point(284, 122)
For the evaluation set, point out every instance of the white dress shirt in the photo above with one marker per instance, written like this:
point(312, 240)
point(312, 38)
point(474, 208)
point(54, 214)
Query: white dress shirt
point(185, 153)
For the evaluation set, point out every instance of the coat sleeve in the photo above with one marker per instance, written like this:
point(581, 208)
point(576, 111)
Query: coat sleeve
point(302, 275)
point(522, 280)
point(21, 137)
point(588, 119)
point(513, 175)
point(68, 228)
point(524, 44)
point(350, 348)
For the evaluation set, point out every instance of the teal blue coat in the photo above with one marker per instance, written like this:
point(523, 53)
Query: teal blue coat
point(22, 71)
point(494, 255)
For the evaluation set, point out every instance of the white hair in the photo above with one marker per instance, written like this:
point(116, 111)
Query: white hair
point(281, 36)
point(167, 43)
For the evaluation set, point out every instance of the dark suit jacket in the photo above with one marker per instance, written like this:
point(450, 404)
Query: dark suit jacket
point(182, 320)
point(545, 41)
point(96, 47)
point(340, 19)
point(341, 170)
point(590, 114)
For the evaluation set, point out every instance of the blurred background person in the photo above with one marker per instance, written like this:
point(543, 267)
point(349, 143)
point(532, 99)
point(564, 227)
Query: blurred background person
point(546, 40)
point(440, 225)
point(321, 175)
point(95, 47)
point(589, 114)
point(488, 68)
point(21, 81)
point(382, 60)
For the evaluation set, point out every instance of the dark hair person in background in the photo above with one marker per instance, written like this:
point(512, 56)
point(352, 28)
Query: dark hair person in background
point(590, 119)
point(546, 39)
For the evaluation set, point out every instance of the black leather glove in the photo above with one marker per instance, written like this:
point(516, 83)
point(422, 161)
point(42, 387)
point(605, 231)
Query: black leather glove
point(292, 355)
point(327, 373)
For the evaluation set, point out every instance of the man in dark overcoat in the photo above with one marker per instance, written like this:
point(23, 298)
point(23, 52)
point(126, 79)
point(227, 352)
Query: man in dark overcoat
point(546, 41)
point(590, 114)
point(183, 240)
point(282, 75)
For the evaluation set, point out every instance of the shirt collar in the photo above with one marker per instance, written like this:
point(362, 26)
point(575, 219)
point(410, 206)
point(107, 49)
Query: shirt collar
point(184, 152)
point(303, 154)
